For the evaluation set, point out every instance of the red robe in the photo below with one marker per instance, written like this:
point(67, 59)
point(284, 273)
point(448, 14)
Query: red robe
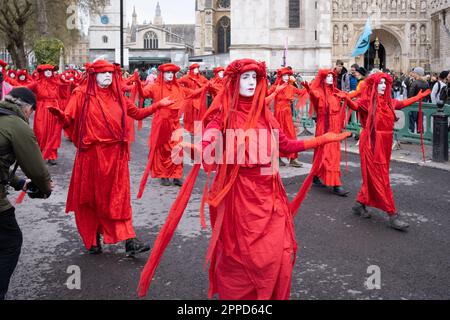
point(191, 112)
point(99, 191)
point(256, 247)
point(216, 85)
point(376, 189)
point(49, 92)
point(330, 118)
point(283, 113)
point(164, 123)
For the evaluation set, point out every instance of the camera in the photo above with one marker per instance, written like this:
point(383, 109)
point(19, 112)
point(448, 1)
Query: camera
point(34, 192)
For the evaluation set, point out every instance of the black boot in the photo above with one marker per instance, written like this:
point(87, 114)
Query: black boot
point(398, 224)
point(135, 246)
point(361, 210)
point(52, 162)
point(165, 182)
point(338, 190)
point(98, 248)
point(318, 183)
point(178, 182)
point(282, 163)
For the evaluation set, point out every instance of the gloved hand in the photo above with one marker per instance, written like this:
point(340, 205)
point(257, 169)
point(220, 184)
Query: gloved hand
point(326, 138)
point(56, 112)
point(34, 192)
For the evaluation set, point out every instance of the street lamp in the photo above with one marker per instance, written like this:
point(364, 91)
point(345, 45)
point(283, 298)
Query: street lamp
point(121, 33)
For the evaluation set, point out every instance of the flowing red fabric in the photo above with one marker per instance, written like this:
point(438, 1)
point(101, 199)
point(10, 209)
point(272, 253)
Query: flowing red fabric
point(47, 128)
point(330, 118)
point(192, 110)
point(99, 191)
point(282, 108)
point(266, 252)
point(377, 114)
point(164, 124)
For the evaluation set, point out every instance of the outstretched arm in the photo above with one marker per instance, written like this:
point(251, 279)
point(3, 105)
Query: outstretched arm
point(142, 113)
point(400, 104)
point(346, 97)
point(274, 93)
point(294, 146)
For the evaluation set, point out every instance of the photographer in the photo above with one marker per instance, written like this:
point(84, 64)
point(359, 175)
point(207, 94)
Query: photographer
point(18, 147)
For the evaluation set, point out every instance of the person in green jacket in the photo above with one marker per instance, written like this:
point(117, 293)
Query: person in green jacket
point(18, 148)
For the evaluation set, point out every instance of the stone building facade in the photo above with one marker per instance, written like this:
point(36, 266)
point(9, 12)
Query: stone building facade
point(440, 34)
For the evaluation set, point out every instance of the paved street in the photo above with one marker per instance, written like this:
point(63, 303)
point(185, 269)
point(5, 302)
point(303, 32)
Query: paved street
point(335, 247)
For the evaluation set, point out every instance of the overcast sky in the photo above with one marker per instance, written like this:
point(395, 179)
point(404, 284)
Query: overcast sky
point(173, 11)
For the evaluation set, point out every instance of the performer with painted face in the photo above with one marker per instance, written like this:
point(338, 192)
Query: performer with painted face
point(216, 83)
point(330, 118)
point(164, 123)
point(193, 81)
point(23, 78)
point(376, 110)
point(252, 250)
point(99, 192)
point(49, 91)
point(283, 111)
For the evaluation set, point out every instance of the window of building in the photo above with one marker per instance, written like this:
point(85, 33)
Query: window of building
point(294, 13)
point(223, 35)
point(225, 4)
point(436, 34)
point(150, 40)
point(105, 39)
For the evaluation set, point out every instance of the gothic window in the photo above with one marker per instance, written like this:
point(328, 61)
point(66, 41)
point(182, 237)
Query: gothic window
point(105, 39)
point(150, 40)
point(223, 35)
point(223, 4)
point(294, 13)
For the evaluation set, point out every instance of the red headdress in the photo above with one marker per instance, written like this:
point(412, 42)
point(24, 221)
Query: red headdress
point(194, 66)
point(12, 72)
point(217, 70)
point(3, 63)
point(45, 67)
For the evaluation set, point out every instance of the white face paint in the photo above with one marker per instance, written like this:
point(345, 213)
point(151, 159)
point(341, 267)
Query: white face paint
point(48, 73)
point(382, 87)
point(104, 79)
point(285, 78)
point(1, 69)
point(22, 78)
point(12, 75)
point(221, 73)
point(330, 79)
point(168, 76)
point(247, 84)
point(196, 71)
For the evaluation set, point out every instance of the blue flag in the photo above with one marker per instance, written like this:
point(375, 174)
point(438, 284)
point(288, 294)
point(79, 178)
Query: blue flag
point(363, 43)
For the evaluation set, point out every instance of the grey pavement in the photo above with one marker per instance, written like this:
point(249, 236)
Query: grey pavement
point(336, 248)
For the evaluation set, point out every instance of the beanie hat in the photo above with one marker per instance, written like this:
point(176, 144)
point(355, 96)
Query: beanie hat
point(25, 95)
point(419, 71)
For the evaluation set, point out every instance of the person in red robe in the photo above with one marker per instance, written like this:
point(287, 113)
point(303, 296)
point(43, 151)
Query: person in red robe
point(193, 81)
point(330, 118)
point(99, 192)
point(376, 110)
point(216, 83)
point(283, 111)
point(23, 78)
point(11, 77)
point(253, 248)
point(164, 124)
point(49, 91)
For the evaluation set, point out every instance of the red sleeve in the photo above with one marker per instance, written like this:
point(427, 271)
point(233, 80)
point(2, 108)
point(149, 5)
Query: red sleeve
point(139, 113)
point(288, 146)
point(148, 91)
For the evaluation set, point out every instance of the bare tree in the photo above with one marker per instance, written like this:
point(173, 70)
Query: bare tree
point(14, 15)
